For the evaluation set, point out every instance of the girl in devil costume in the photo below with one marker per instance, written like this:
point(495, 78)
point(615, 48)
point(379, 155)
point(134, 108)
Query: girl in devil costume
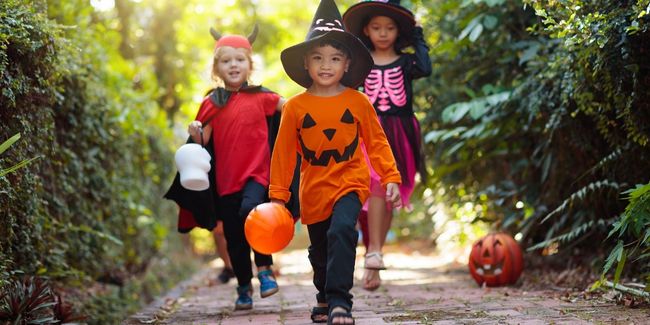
point(387, 28)
point(235, 122)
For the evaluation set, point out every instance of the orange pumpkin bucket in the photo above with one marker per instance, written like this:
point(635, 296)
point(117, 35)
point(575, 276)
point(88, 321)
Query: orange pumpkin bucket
point(269, 228)
point(496, 260)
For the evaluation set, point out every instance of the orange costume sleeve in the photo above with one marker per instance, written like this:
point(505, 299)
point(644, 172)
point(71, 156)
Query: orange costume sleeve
point(327, 133)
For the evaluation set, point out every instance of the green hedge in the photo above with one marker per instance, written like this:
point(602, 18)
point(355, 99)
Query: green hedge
point(539, 117)
point(89, 209)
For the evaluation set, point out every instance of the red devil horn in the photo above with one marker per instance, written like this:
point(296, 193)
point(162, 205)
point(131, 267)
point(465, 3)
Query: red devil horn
point(215, 34)
point(253, 35)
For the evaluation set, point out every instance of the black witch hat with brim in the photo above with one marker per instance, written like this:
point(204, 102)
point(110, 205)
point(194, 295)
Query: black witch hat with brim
point(359, 14)
point(328, 25)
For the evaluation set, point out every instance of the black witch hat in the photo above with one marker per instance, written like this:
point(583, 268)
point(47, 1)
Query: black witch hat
point(358, 16)
point(328, 24)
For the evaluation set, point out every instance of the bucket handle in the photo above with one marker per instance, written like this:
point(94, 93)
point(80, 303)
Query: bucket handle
point(201, 130)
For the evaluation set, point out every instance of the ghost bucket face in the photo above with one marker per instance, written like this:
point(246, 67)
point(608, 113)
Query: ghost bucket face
point(496, 260)
point(193, 164)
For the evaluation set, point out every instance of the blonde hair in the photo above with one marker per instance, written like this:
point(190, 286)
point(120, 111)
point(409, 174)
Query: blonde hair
point(217, 56)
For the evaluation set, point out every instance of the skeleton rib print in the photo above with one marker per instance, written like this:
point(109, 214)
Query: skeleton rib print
point(387, 88)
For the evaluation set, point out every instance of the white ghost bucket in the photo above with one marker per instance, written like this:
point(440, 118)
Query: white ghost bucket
point(193, 164)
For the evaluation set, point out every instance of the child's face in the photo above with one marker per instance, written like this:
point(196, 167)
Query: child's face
point(382, 32)
point(233, 66)
point(326, 65)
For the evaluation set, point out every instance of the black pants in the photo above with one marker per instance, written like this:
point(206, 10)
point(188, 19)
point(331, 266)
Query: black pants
point(333, 250)
point(234, 209)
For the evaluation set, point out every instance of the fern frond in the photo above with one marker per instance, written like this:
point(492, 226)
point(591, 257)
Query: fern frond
point(613, 156)
point(571, 235)
point(581, 195)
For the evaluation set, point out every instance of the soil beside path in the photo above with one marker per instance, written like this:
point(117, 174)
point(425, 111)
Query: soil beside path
point(417, 289)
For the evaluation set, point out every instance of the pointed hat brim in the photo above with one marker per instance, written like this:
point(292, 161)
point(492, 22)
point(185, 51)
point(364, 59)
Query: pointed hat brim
point(293, 59)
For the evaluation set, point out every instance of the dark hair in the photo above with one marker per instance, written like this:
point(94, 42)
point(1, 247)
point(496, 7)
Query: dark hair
point(333, 43)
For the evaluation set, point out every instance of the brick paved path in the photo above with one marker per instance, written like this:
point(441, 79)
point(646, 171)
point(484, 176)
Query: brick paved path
point(416, 290)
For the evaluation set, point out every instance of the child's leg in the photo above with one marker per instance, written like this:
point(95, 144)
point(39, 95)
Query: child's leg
point(379, 219)
point(318, 256)
point(253, 195)
point(221, 244)
point(222, 250)
point(238, 248)
point(341, 250)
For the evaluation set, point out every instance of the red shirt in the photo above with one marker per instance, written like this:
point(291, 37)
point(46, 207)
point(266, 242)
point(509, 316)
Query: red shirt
point(240, 137)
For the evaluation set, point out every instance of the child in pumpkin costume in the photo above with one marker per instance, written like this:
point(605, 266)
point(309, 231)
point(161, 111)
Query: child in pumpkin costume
point(386, 28)
point(326, 124)
point(235, 122)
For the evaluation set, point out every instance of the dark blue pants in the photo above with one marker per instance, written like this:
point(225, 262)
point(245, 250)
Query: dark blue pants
point(234, 209)
point(332, 252)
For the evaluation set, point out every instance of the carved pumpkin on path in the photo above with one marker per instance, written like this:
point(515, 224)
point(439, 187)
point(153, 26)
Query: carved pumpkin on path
point(496, 260)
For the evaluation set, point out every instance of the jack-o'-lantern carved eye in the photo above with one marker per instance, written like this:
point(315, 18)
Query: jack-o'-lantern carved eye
point(308, 122)
point(347, 117)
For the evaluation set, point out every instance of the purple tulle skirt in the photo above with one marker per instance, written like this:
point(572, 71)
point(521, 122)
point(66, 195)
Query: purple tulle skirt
point(405, 139)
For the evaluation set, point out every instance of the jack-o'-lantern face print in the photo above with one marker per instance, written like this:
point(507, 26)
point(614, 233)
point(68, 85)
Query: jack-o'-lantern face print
point(325, 137)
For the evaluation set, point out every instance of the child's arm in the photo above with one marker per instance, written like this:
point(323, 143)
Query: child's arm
point(379, 151)
point(283, 160)
point(280, 104)
point(422, 63)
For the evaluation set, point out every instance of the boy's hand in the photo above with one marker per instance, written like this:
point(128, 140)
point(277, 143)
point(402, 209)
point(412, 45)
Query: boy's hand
point(392, 195)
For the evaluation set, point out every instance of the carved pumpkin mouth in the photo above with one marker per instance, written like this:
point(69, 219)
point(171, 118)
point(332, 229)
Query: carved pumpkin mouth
point(326, 155)
point(489, 269)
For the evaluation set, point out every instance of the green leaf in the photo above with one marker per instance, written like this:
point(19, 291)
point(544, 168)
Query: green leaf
point(470, 27)
point(529, 53)
point(5, 145)
point(490, 21)
point(476, 32)
point(619, 266)
point(16, 166)
point(455, 112)
point(614, 255)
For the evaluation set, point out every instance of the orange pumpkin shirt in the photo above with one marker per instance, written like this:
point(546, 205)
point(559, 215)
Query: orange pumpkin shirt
point(327, 133)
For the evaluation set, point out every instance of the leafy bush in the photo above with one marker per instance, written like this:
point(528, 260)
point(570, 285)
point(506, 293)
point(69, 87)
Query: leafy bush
point(542, 110)
point(90, 210)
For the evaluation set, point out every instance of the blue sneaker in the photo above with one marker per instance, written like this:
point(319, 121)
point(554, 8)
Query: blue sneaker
point(268, 285)
point(244, 301)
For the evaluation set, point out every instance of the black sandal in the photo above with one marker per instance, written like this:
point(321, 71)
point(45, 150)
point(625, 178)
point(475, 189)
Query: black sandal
point(339, 314)
point(317, 314)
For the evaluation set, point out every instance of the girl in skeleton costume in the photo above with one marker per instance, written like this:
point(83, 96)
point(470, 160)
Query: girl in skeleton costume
point(235, 124)
point(387, 28)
